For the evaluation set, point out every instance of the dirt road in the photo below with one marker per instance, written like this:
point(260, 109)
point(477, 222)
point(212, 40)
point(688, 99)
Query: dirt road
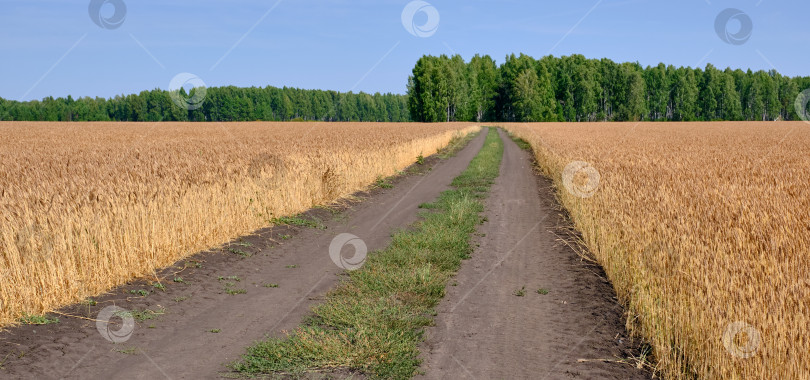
point(494, 324)
point(209, 327)
point(483, 329)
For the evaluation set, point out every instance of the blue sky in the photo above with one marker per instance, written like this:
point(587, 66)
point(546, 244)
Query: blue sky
point(53, 47)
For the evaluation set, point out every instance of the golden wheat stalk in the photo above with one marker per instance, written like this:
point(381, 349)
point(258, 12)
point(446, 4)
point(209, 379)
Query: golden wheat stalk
point(704, 231)
point(88, 206)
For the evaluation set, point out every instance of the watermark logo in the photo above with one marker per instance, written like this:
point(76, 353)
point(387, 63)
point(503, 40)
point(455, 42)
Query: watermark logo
point(723, 22)
point(801, 105)
point(349, 263)
point(97, 13)
point(581, 179)
point(741, 340)
point(416, 8)
point(187, 91)
point(106, 326)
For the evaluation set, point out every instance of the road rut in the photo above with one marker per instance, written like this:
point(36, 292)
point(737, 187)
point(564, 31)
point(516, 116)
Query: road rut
point(495, 325)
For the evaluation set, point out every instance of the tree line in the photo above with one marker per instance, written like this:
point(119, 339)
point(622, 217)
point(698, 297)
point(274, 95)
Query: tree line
point(575, 89)
point(219, 104)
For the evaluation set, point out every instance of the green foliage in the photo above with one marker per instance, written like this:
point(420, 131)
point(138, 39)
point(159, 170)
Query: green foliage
point(127, 351)
point(239, 252)
point(142, 315)
point(233, 292)
point(297, 221)
point(573, 88)
point(220, 104)
point(569, 88)
point(30, 319)
point(383, 183)
point(523, 144)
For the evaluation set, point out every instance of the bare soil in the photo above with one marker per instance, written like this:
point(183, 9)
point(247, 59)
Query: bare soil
point(494, 324)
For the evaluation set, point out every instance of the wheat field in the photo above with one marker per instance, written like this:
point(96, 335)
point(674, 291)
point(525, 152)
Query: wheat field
point(704, 231)
point(88, 206)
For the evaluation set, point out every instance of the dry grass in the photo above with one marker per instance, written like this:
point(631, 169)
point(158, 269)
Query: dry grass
point(704, 230)
point(86, 207)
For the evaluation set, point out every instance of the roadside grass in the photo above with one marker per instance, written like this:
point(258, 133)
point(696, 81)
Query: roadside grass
point(148, 314)
point(383, 183)
point(456, 144)
point(373, 321)
point(521, 143)
point(32, 319)
point(142, 315)
point(127, 350)
point(239, 252)
point(299, 221)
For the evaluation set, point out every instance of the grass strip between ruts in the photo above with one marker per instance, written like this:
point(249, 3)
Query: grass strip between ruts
point(374, 320)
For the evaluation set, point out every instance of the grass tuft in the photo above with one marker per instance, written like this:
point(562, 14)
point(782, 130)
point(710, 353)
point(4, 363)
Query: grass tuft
point(372, 322)
point(143, 315)
point(299, 221)
point(30, 319)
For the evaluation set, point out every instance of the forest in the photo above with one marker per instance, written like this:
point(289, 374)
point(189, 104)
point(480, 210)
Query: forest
point(220, 104)
point(522, 89)
point(576, 89)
